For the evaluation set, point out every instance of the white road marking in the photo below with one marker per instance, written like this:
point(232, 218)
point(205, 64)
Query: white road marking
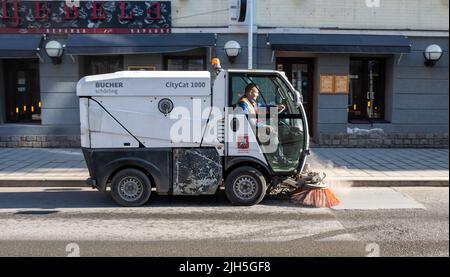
point(80, 229)
point(43, 215)
point(374, 199)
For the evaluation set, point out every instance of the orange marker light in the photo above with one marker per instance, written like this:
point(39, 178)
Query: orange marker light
point(39, 104)
point(24, 108)
point(32, 109)
point(17, 109)
point(215, 62)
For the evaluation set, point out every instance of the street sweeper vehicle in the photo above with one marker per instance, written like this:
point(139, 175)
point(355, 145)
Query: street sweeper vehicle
point(188, 133)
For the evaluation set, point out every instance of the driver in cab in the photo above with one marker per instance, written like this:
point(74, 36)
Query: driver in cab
point(248, 103)
point(250, 106)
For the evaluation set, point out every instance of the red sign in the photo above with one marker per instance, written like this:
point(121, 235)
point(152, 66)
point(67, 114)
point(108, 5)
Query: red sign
point(243, 143)
point(87, 17)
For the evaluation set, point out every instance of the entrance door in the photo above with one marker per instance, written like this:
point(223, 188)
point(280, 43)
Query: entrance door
point(23, 104)
point(300, 72)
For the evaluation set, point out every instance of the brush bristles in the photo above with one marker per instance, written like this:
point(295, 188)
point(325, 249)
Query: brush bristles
point(315, 197)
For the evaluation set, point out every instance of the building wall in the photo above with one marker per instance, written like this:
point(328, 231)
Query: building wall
point(241, 60)
point(200, 13)
point(417, 103)
point(354, 14)
point(330, 111)
point(2, 95)
point(416, 96)
point(421, 93)
point(153, 59)
point(58, 87)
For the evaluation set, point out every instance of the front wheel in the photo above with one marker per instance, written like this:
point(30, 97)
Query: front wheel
point(130, 188)
point(245, 186)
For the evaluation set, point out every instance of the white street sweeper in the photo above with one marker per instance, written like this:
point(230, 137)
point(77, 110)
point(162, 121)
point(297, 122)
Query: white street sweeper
point(188, 133)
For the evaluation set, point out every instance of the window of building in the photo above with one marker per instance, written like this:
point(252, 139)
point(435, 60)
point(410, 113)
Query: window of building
point(184, 63)
point(366, 100)
point(23, 104)
point(103, 64)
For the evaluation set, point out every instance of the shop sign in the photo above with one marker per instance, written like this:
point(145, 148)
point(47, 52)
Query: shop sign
point(334, 83)
point(326, 83)
point(85, 17)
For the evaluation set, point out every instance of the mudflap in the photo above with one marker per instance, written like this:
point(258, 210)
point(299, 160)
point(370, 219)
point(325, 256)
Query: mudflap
point(196, 171)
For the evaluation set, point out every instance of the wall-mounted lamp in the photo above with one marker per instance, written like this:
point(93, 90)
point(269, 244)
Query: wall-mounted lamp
point(433, 53)
point(232, 49)
point(54, 50)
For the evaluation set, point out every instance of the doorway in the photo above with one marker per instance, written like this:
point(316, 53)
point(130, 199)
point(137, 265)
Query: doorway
point(23, 103)
point(300, 72)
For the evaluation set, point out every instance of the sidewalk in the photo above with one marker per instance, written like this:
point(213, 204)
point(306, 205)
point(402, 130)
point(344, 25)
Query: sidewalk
point(382, 167)
point(358, 167)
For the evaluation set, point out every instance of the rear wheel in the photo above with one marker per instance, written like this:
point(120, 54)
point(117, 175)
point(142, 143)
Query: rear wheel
point(130, 188)
point(245, 186)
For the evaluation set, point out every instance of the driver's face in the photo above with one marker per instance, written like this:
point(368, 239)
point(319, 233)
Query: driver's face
point(253, 93)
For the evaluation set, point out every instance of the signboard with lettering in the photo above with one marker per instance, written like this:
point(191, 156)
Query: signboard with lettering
point(341, 84)
point(85, 17)
point(334, 83)
point(326, 83)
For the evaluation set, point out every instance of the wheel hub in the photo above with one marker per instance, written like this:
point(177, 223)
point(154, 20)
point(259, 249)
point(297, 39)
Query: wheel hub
point(130, 188)
point(245, 187)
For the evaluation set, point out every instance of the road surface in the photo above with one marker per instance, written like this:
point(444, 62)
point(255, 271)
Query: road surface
point(80, 221)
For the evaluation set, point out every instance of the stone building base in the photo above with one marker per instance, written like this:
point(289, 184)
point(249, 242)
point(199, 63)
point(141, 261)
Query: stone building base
point(40, 141)
point(391, 140)
point(382, 140)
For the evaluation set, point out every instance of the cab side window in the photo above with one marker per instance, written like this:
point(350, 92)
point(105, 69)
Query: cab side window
point(270, 92)
point(237, 87)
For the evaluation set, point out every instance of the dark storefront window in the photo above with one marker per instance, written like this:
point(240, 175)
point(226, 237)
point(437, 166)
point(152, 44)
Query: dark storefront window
point(103, 64)
point(23, 104)
point(367, 90)
point(180, 63)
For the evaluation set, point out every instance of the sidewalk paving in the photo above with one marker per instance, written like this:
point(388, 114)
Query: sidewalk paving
point(356, 166)
point(380, 167)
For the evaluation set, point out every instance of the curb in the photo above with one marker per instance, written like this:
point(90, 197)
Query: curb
point(43, 183)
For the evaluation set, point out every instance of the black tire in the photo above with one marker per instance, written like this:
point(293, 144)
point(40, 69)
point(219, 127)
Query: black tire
point(130, 188)
point(245, 186)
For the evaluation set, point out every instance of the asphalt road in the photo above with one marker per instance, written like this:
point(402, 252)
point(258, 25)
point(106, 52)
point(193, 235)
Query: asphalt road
point(81, 221)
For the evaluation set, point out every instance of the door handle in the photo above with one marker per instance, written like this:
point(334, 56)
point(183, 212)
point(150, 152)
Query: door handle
point(370, 95)
point(234, 124)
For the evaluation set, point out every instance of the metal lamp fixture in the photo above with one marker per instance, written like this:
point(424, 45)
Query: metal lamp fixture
point(433, 53)
point(54, 50)
point(232, 49)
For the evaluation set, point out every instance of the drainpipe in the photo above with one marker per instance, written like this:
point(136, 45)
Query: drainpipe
point(250, 7)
